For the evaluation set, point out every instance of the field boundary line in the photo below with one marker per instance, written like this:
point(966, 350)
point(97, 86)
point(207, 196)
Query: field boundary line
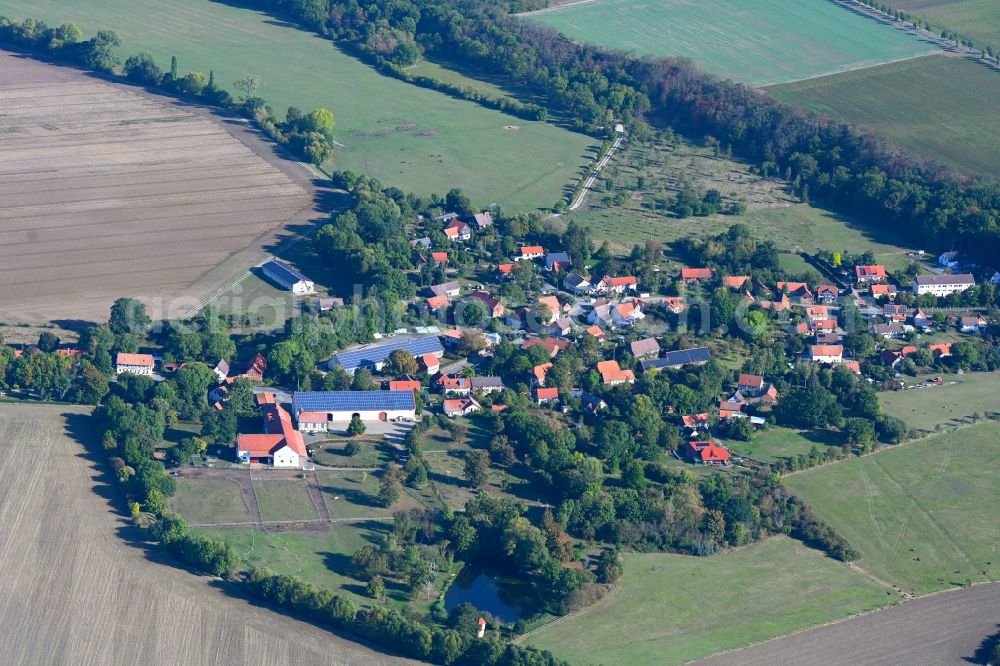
point(269, 523)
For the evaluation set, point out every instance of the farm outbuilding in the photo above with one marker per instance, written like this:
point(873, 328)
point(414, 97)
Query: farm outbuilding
point(318, 411)
point(287, 277)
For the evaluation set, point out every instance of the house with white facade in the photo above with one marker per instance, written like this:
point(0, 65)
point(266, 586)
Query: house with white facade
point(135, 364)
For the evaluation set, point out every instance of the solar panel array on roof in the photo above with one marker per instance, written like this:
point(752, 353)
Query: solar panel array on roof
point(680, 357)
point(279, 270)
point(344, 401)
point(377, 354)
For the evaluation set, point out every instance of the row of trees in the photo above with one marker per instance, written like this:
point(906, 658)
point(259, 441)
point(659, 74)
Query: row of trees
point(850, 169)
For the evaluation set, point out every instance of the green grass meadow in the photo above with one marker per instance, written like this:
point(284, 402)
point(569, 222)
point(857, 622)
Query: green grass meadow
point(319, 557)
point(671, 609)
point(284, 500)
point(209, 501)
point(939, 107)
point(758, 42)
point(783, 443)
point(923, 515)
point(414, 138)
point(950, 404)
point(793, 228)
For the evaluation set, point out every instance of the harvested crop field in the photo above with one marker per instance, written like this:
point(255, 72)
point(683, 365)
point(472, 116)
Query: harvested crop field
point(74, 592)
point(946, 628)
point(758, 42)
point(940, 107)
point(106, 191)
point(450, 143)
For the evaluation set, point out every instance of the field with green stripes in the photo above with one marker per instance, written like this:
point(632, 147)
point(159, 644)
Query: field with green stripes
point(758, 42)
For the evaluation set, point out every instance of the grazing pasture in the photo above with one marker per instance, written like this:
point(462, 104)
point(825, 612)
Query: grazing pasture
point(416, 139)
point(949, 404)
point(922, 515)
point(75, 591)
point(671, 609)
point(106, 192)
point(979, 19)
point(284, 499)
point(940, 107)
point(758, 42)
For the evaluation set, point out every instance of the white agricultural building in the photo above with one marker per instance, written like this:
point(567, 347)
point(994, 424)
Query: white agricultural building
point(287, 277)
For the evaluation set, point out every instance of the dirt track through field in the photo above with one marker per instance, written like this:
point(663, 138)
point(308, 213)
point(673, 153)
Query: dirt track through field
point(108, 191)
point(73, 592)
point(946, 628)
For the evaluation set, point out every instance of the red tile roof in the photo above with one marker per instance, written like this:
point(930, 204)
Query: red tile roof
point(404, 385)
point(145, 360)
point(753, 381)
point(546, 393)
point(696, 273)
point(612, 372)
point(708, 452)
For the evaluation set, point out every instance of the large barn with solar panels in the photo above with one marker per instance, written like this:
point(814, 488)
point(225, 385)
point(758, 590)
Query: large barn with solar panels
point(374, 356)
point(322, 411)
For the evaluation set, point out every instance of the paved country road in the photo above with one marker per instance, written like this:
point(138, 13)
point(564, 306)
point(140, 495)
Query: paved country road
point(944, 628)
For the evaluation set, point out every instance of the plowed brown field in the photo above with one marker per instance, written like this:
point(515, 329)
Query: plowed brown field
point(73, 592)
point(108, 191)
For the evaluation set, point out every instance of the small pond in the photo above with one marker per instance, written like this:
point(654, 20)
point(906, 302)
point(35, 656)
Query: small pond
point(493, 592)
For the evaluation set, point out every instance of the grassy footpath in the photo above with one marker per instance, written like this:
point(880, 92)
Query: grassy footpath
point(416, 139)
point(939, 107)
point(671, 609)
point(924, 515)
point(755, 42)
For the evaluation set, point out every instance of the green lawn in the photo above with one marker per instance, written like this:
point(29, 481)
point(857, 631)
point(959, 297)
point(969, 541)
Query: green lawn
point(411, 137)
point(209, 501)
point(923, 515)
point(950, 404)
point(373, 451)
point(758, 42)
point(672, 609)
point(782, 443)
point(321, 557)
point(979, 19)
point(284, 500)
point(352, 495)
point(939, 107)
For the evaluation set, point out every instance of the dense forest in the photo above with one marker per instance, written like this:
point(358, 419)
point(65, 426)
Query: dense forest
point(846, 168)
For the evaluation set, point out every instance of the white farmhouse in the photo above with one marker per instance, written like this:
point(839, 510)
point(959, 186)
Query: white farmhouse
point(135, 364)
